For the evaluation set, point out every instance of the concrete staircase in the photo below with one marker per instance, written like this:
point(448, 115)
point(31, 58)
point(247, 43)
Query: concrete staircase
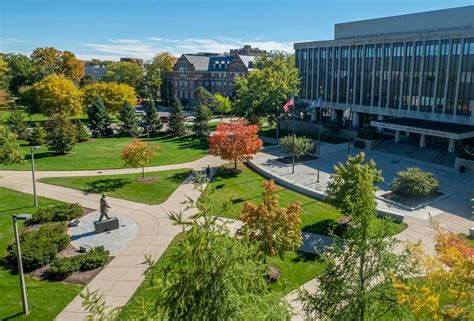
point(411, 149)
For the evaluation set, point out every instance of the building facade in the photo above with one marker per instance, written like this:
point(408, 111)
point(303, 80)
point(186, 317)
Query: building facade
point(216, 73)
point(404, 74)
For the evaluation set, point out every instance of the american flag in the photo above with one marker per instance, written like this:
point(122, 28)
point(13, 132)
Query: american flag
point(289, 103)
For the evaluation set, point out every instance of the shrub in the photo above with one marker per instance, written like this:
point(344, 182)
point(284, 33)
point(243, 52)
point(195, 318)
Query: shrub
point(414, 182)
point(302, 146)
point(369, 134)
point(62, 268)
point(57, 213)
point(37, 136)
point(82, 134)
point(39, 247)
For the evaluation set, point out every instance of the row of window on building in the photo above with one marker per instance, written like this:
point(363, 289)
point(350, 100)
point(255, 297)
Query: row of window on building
point(431, 76)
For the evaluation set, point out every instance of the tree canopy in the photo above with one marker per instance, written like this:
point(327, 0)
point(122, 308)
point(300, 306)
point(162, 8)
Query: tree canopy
point(138, 154)
point(155, 74)
point(9, 149)
point(52, 60)
point(112, 94)
point(125, 72)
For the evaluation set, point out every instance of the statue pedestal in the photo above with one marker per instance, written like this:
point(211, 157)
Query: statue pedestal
point(107, 225)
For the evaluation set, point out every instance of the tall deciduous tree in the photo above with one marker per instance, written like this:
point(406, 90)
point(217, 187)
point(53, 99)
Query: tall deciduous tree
point(265, 90)
point(4, 73)
point(204, 97)
point(125, 72)
point(222, 105)
point(52, 60)
point(98, 118)
point(56, 94)
point(355, 284)
point(155, 73)
point(235, 142)
point(343, 184)
point(276, 229)
point(61, 133)
point(138, 154)
point(21, 71)
point(10, 152)
point(112, 94)
point(177, 118)
point(202, 115)
point(128, 119)
point(152, 119)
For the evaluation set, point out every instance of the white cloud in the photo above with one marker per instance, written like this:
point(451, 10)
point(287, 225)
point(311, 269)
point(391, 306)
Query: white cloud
point(146, 48)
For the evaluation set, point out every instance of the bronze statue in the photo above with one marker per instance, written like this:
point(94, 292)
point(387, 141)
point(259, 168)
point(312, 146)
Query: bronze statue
point(104, 208)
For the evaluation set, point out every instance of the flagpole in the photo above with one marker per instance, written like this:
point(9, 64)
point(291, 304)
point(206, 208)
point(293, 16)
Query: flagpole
point(319, 129)
point(350, 125)
point(294, 121)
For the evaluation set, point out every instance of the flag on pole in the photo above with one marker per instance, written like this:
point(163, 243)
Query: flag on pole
point(313, 105)
point(289, 103)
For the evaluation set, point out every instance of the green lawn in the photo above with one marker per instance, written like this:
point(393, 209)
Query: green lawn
point(125, 186)
point(296, 269)
point(245, 185)
point(46, 299)
point(104, 153)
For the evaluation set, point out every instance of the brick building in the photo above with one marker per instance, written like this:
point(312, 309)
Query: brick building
point(215, 73)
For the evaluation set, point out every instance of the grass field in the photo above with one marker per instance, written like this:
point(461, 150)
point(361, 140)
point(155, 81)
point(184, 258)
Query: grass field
point(245, 185)
point(46, 299)
point(125, 186)
point(104, 153)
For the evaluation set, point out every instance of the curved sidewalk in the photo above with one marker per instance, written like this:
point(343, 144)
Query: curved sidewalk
point(119, 280)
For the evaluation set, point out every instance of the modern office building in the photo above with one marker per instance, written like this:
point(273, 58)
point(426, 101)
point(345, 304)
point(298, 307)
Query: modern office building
point(410, 75)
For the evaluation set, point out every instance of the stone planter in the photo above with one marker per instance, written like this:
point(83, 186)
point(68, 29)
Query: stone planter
point(365, 143)
point(464, 165)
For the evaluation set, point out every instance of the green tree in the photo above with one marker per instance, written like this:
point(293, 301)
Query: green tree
point(17, 124)
point(82, 135)
point(204, 97)
point(301, 145)
point(98, 118)
point(177, 118)
point(21, 71)
point(222, 105)
point(341, 189)
point(37, 136)
point(61, 133)
point(10, 152)
point(266, 89)
point(4, 73)
point(155, 73)
point(49, 60)
point(202, 115)
point(112, 94)
point(356, 283)
point(414, 182)
point(125, 72)
point(152, 119)
point(129, 120)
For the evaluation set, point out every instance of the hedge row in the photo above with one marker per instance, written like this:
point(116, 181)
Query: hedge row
point(62, 268)
point(56, 213)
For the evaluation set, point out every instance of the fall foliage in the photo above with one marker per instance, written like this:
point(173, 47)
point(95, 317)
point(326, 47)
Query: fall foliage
point(138, 154)
point(53, 60)
point(235, 141)
point(277, 229)
point(112, 94)
point(449, 271)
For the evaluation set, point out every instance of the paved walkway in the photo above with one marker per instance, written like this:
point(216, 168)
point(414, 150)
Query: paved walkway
point(122, 276)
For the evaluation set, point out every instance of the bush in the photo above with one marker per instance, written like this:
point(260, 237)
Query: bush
point(82, 135)
point(414, 182)
point(39, 247)
point(62, 268)
point(37, 136)
point(303, 145)
point(57, 213)
point(369, 134)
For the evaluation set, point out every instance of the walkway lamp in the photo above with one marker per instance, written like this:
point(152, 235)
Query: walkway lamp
point(33, 173)
point(24, 299)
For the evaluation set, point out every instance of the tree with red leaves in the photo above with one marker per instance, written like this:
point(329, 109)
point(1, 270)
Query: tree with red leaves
point(235, 142)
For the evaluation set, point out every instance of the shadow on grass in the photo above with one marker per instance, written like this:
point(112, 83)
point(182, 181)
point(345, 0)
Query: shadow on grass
point(305, 257)
point(325, 227)
point(106, 185)
point(179, 177)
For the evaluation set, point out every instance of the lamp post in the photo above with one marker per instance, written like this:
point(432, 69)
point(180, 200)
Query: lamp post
point(24, 299)
point(319, 130)
point(294, 122)
point(33, 173)
point(350, 125)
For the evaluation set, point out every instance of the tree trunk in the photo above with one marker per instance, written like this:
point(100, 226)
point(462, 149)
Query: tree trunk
point(277, 127)
point(361, 273)
point(143, 172)
point(235, 163)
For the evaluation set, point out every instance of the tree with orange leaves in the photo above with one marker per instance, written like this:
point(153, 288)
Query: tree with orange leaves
point(277, 229)
point(235, 142)
point(446, 292)
point(138, 154)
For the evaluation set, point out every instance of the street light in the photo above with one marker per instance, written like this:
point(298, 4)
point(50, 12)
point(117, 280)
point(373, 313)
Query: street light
point(33, 173)
point(24, 299)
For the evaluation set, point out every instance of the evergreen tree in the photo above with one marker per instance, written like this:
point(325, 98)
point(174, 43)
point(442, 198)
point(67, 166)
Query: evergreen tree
point(82, 135)
point(37, 136)
point(17, 124)
point(61, 133)
point(129, 120)
point(202, 115)
point(10, 152)
point(177, 118)
point(99, 119)
point(152, 119)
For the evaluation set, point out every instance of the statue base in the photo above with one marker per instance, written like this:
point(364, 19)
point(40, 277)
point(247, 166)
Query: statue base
point(107, 225)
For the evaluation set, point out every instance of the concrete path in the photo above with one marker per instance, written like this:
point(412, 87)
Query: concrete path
point(122, 276)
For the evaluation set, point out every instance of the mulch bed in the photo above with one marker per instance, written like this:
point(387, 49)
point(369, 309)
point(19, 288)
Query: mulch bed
point(146, 179)
point(412, 201)
point(287, 160)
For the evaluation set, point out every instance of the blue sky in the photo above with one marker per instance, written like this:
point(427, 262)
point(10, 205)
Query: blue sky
point(110, 29)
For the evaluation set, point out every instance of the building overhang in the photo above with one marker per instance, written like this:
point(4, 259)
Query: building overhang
point(427, 127)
